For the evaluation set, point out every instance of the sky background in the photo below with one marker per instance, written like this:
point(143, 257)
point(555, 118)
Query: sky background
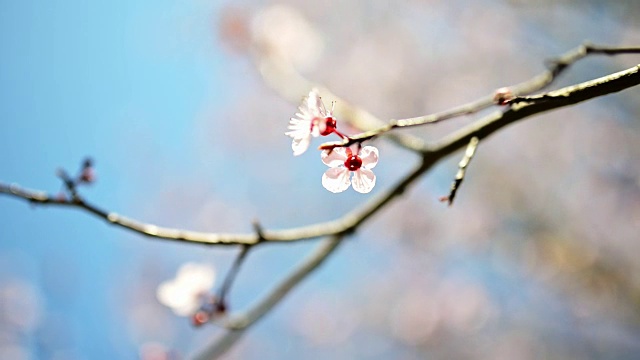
point(536, 259)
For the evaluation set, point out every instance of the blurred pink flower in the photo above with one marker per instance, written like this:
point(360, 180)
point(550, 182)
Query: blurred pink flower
point(343, 163)
point(281, 32)
point(184, 294)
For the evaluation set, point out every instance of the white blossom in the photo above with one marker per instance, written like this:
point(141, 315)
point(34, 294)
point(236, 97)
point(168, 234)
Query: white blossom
point(312, 119)
point(184, 293)
point(343, 163)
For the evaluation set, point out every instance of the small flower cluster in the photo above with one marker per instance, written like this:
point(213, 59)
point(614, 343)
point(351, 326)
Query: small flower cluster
point(346, 166)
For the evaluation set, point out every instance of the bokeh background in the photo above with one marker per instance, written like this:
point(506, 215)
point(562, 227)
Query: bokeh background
point(537, 259)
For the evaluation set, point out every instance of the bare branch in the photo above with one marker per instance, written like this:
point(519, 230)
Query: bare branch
point(346, 224)
point(481, 128)
point(462, 167)
point(42, 198)
point(563, 97)
point(567, 96)
point(556, 67)
point(238, 323)
point(231, 276)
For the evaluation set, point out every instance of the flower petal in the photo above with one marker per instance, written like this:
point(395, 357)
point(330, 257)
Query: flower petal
point(299, 124)
point(336, 179)
point(369, 156)
point(315, 104)
point(300, 144)
point(336, 158)
point(315, 130)
point(363, 180)
point(181, 301)
point(196, 277)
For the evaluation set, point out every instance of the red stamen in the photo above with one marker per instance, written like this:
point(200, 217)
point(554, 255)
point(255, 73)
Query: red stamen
point(353, 162)
point(327, 125)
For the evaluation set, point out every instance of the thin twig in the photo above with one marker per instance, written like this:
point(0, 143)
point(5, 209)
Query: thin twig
point(567, 96)
point(231, 275)
point(237, 324)
point(346, 224)
point(462, 168)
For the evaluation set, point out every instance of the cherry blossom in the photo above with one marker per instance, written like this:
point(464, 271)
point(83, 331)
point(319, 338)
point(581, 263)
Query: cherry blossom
point(185, 293)
point(343, 162)
point(313, 119)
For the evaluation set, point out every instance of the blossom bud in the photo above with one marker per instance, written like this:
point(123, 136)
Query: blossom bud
point(88, 175)
point(200, 318)
point(503, 96)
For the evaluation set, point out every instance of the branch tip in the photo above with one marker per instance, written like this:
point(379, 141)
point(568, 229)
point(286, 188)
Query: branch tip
point(259, 231)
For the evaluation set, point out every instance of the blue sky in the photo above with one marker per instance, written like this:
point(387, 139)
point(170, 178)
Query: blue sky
point(120, 81)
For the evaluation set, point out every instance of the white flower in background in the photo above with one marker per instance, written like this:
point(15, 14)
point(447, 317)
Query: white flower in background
point(282, 31)
point(343, 162)
point(312, 119)
point(185, 292)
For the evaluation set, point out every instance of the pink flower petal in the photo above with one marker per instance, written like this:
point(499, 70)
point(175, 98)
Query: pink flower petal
point(363, 180)
point(315, 132)
point(300, 144)
point(336, 179)
point(336, 158)
point(369, 156)
point(299, 123)
point(315, 104)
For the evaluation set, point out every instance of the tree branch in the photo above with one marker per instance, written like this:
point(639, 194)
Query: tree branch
point(567, 96)
point(237, 324)
point(348, 223)
point(462, 168)
point(555, 68)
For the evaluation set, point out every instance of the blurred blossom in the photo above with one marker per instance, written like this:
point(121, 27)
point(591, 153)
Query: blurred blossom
point(156, 351)
point(464, 307)
point(184, 293)
point(20, 305)
point(282, 31)
point(234, 29)
point(414, 317)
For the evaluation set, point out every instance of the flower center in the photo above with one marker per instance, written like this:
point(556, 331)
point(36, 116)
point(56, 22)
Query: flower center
point(327, 125)
point(353, 162)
